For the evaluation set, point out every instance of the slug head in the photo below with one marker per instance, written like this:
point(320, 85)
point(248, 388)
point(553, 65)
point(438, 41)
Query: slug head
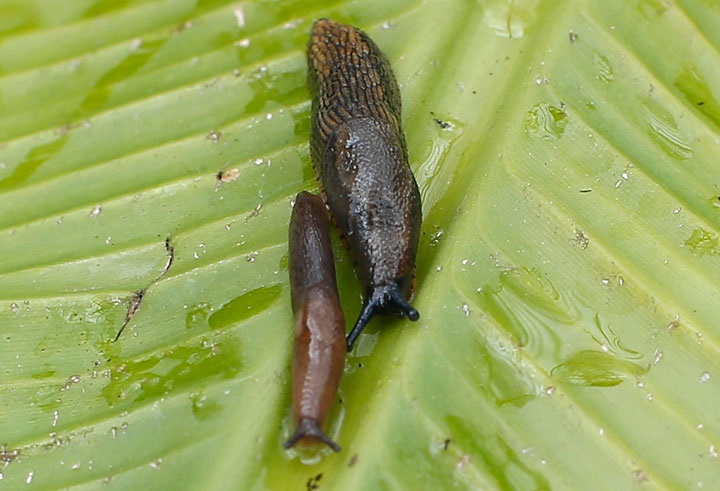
point(309, 432)
point(383, 299)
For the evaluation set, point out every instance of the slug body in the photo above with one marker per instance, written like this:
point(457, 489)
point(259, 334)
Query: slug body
point(319, 357)
point(360, 157)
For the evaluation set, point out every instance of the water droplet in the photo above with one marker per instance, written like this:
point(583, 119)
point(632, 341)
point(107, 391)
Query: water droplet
point(214, 136)
point(198, 315)
point(704, 377)
point(664, 130)
point(639, 475)
point(239, 17)
point(509, 20)
point(603, 70)
point(73, 379)
point(254, 213)
point(581, 239)
point(245, 306)
point(595, 369)
point(545, 121)
point(658, 355)
point(204, 408)
point(6, 455)
point(464, 461)
point(702, 242)
point(435, 238)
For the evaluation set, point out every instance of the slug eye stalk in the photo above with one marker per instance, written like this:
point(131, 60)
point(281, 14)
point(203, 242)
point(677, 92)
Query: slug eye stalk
point(381, 300)
point(309, 429)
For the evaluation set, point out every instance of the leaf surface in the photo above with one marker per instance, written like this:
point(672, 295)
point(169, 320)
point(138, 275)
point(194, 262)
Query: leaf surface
point(566, 154)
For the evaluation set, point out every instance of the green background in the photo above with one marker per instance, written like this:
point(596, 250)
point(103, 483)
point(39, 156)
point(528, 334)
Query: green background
point(568, 267)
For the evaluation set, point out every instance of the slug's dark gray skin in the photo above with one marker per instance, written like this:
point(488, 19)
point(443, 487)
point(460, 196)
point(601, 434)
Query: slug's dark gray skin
point(319, 356)
point(360, 157)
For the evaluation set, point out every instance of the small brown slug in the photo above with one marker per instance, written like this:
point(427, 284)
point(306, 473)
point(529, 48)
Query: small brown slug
point(319, 357)
point(360, 158)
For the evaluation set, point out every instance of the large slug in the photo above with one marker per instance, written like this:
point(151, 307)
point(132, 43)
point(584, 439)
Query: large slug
point(360, 157)
point(319, 356)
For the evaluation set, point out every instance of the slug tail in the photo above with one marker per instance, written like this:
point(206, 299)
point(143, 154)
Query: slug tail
point(381, 300)
point(309, 429)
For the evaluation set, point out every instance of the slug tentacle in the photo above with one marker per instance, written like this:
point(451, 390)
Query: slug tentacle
point(309, 429)
point(378, 300)
point(360, 157)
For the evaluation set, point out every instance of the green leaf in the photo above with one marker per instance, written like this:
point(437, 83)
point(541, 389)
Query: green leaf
point(567, 276)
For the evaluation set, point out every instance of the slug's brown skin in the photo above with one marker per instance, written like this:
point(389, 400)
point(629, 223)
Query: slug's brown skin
point(319, 356)
point(360, 156)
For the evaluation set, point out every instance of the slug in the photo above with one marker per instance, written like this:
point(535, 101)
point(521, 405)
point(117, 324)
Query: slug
point(319, 356)
point(360, 157)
